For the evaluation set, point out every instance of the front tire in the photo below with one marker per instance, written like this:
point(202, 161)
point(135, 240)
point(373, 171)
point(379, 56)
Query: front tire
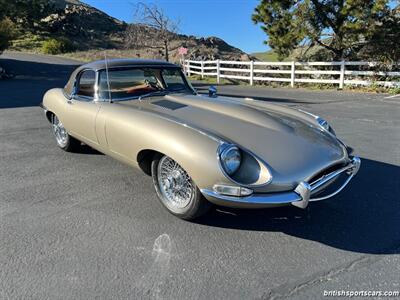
point(176, 190)
point(63, 139)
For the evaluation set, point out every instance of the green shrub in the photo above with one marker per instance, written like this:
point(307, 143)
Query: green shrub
point(394, 90)
point(57, 46)
point(27, 41)
point(7, 33)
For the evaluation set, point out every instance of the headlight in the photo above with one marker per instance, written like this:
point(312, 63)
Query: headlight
point(230, 159)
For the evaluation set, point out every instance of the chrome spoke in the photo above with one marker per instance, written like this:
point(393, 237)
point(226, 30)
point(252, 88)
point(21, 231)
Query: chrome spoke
point(59, 131)
point(175, 184)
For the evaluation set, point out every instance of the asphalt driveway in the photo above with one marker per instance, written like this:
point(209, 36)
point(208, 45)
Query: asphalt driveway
point(82, 225)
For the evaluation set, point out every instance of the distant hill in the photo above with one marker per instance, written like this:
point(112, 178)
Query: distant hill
point(266, 56)
point(90, 29)
point(302, 53)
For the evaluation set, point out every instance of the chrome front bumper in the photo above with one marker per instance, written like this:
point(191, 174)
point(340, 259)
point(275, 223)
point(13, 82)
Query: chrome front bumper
point(300, 197)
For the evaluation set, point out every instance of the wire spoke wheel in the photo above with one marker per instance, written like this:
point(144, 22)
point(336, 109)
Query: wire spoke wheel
point(59, 132)
point(176, 186)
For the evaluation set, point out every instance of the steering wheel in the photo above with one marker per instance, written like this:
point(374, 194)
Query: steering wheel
point(151, 84)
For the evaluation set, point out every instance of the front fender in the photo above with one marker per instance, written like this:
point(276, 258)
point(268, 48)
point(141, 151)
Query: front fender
point(130, 131)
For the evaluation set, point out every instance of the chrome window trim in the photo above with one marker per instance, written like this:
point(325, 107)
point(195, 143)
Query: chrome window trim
point(82, 98)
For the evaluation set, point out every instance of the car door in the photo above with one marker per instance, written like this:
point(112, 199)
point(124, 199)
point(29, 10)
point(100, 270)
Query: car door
point(83, 108)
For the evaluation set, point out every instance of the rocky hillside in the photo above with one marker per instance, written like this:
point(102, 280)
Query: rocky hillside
point(90, 29)
point(84, 25)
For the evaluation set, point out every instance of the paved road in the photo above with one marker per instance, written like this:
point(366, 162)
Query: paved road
point(78, 226)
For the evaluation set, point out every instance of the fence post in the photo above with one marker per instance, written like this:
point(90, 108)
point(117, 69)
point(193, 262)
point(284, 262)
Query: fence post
point(292, 74)
point(188, 68)
point(202, 69)
point(184, 66)
point(218, 72)
point(342, 70)
point(251, 72)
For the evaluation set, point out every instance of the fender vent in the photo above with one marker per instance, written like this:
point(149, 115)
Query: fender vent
point(169, 104)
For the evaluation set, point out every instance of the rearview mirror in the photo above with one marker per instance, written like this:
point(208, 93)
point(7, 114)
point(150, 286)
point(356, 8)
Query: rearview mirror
point(212, 92)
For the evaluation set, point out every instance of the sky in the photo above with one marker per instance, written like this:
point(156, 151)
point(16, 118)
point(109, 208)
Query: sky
point(226, 19)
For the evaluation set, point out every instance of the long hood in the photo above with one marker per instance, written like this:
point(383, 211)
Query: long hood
point(291, 147)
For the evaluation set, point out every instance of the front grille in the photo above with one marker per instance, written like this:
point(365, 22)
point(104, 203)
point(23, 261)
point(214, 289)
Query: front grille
point(326, 172)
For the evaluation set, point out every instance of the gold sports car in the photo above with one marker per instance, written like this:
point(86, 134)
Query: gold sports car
point(198, 149)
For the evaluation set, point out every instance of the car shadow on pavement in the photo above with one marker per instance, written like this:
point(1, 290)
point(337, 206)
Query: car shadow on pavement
point(85, 149)
point(364, 218)
point(31, 81)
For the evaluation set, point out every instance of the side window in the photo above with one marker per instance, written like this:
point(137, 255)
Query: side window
point(86, 84)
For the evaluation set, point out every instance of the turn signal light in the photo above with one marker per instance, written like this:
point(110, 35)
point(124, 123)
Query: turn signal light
point(229, 190)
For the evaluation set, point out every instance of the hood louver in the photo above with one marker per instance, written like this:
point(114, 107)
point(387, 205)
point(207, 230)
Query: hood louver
point(169, 104)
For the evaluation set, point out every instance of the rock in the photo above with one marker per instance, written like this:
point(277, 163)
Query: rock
point(83, 24)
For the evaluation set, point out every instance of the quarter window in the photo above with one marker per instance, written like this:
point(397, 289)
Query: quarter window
point(86, 84)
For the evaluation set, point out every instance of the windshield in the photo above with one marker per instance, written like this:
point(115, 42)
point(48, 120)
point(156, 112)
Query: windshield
point(127, 83)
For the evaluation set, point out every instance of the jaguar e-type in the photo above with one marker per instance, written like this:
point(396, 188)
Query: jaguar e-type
point(199, 149)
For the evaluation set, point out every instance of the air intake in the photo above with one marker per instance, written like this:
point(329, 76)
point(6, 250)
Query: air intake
point(169, 104)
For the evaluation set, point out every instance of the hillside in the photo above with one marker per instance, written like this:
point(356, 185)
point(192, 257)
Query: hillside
point(302, 53)
point(266, 56)
point(91, 30)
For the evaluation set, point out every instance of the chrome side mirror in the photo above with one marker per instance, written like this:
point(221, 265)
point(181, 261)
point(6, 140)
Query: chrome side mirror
point(212, 92)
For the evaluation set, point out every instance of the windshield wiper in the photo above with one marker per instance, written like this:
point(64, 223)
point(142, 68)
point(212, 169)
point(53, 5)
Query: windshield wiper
point(155, 93)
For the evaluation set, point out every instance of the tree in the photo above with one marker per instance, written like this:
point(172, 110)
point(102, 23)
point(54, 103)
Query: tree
point(7, 33)
point(5, 7)
point(337, 25)
point(384, 43)
point(7, 27)
point(154, 29)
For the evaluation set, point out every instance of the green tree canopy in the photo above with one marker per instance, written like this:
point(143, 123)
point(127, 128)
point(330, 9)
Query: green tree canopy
point(339, 26)
point(384, 44)
point(7, 33)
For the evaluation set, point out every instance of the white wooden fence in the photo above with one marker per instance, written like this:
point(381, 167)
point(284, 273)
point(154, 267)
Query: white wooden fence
point(336, 72)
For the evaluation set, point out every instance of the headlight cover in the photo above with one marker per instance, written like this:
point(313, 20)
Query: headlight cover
point(230, 158)
point(242, 167)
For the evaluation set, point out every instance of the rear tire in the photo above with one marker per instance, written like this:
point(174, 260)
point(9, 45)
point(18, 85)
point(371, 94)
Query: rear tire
point(176, 190)
point(63, 139)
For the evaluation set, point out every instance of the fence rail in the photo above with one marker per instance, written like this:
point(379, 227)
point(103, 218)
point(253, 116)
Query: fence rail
point(336, 72)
